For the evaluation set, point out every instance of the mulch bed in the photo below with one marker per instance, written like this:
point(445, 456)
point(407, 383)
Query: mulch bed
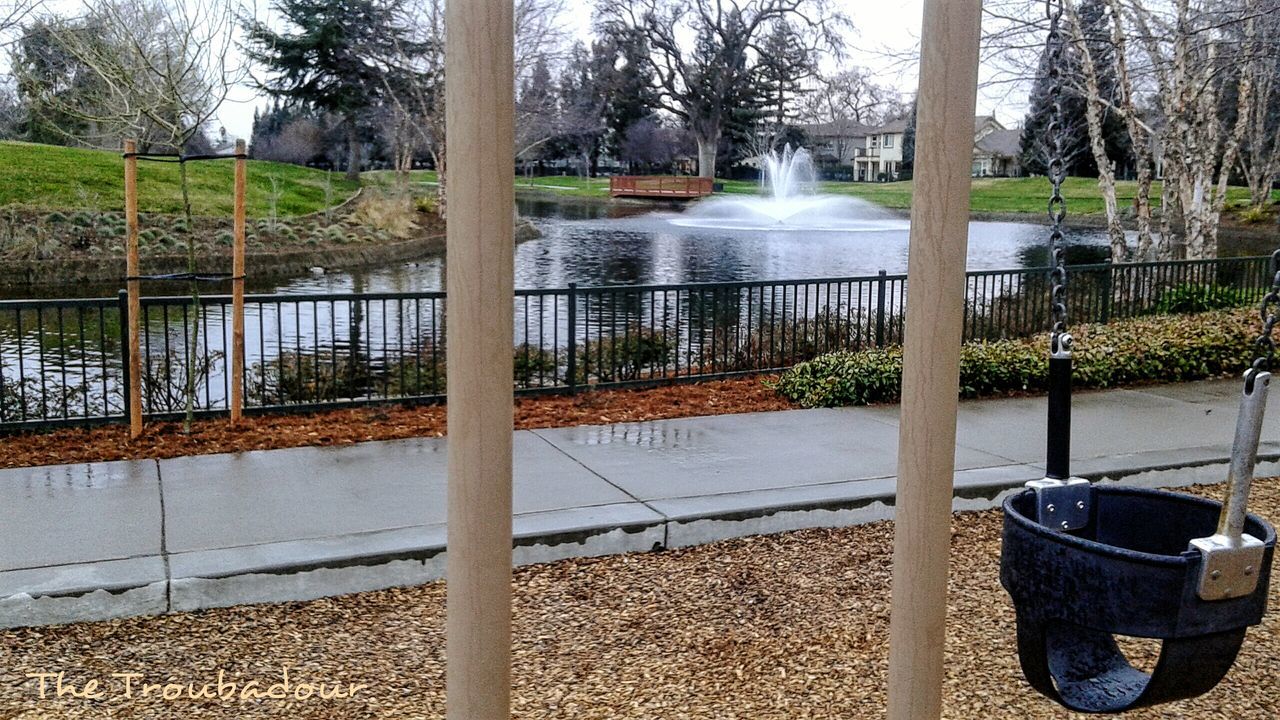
point(344, 427)
point(776, 627)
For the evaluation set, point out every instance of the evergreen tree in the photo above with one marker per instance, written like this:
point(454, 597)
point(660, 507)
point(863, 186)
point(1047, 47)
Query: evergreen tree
point(631, 96)
point(336, 57)
point(784, 63)
point(908, 166)
point(1096, 30)
point(584, 91)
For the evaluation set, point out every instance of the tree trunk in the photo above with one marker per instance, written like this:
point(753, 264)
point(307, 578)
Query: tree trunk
point(707, 154)
point(442, 159)
point(1142, 212)
point(353, 150)
point(1094, 108)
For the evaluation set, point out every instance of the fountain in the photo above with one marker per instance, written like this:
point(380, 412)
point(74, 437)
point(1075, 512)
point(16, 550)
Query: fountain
point(790, 201)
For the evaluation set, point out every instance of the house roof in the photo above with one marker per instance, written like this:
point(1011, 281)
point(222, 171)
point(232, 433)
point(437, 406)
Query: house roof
point(837, 128)
point(893, 126)
point(1002, 143)
point(980, 120)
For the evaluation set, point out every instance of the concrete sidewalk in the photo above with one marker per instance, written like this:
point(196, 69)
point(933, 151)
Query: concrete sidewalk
point(123, 538)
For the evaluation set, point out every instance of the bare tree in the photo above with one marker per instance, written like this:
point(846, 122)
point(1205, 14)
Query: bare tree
point(13, 13)
point(1260, 147)
point(1191, 49)
point(699, 82)
point(162, 68)
point(416, 90)
point(1095, 108)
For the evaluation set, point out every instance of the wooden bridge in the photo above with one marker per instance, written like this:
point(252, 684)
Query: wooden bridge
point(660, 186)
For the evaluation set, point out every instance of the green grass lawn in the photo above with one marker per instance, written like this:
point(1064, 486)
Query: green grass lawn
point(61, 178)
point(996, 195)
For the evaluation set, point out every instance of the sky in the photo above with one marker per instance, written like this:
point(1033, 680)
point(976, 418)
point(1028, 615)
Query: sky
point(884, 32)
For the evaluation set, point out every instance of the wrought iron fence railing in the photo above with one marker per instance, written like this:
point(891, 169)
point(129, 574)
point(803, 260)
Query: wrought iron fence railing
point(63, 359)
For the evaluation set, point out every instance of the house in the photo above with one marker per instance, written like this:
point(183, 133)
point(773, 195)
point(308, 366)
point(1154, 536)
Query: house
point(995, 150)
point(836, 143)
point(880, 157)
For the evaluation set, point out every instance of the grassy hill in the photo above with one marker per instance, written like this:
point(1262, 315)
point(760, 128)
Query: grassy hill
point(61, 178)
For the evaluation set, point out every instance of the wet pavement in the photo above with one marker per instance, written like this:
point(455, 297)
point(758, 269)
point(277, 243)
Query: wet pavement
point(109, 539)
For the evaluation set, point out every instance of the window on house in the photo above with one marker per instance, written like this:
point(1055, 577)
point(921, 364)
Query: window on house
point(888, 141)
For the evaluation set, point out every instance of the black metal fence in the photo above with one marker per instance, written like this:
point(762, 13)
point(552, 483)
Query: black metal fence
point(63, 359)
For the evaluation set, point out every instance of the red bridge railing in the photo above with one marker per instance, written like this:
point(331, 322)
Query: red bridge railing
point(664, 186)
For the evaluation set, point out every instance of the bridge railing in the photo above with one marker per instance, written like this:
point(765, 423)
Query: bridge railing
point(669, 186)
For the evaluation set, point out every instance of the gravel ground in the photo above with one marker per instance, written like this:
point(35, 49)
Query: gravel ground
point(784, 626)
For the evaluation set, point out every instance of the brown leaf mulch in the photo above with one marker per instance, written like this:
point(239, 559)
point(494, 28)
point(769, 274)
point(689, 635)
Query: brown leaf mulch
point(343, 427)
point(776, 627)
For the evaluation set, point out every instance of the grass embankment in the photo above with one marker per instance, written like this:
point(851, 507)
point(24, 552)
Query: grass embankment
point(989, 195)
point(49, 177)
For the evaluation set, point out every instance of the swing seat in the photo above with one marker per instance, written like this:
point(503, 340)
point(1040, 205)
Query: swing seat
point(1127, 572)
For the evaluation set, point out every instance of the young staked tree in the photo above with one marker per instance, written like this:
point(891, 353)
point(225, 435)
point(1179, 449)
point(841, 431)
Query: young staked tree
point(155, 70)
point(704, 83)
point(334, 56)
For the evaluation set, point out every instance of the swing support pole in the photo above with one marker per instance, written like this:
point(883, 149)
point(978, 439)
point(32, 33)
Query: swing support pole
point(479, 117)
point(931, 356)
point(133, 286)
point(237, 288)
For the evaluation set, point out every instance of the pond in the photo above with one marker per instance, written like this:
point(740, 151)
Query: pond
point(63, 361)
point(599, 245)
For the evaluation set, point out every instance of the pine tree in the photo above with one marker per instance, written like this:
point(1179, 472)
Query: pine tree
point(1096, 29)
point(631, 97)
point(336, 57)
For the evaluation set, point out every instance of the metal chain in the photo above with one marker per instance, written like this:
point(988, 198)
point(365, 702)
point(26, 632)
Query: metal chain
point(1057, 172)
point(1270, 312)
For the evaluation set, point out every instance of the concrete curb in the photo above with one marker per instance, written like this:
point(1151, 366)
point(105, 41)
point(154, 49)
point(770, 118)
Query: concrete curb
point(315, 568)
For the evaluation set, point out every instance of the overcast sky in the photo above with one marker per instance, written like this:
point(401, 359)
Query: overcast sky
point(885, 32)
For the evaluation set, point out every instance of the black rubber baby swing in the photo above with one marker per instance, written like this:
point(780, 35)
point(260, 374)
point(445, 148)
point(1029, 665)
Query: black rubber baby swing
point(1084, 563)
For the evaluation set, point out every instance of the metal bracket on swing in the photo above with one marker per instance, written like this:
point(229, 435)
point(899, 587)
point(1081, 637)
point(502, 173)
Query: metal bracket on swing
point(1062, 501)
point(1231, 558)
point(1062, 504)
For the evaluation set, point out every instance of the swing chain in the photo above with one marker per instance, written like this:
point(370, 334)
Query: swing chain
point(1270, 312)
point(1057, 171)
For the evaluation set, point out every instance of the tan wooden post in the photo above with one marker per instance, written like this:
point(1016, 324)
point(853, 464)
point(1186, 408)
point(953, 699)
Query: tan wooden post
point(237, 289)
point(931, 356)
point(480, 126)
point(134, 288)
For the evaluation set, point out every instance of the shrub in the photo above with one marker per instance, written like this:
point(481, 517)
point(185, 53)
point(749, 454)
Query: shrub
point(392, 214)
point(1150, 349)
point(427, 204)
point(632, 355)
point(1254, 215)
point(793, 340)
point(1194, 298)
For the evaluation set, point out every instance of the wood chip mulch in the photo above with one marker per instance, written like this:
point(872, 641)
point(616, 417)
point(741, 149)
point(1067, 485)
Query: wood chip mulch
point(344, 427)
point(767, 628)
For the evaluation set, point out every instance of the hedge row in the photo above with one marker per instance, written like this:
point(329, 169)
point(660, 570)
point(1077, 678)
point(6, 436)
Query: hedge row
point(1171, 348)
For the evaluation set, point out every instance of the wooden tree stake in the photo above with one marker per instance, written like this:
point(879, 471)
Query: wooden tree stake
point(134, 288)
point(479, 116)
point(931, 356)
point(237, 289)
